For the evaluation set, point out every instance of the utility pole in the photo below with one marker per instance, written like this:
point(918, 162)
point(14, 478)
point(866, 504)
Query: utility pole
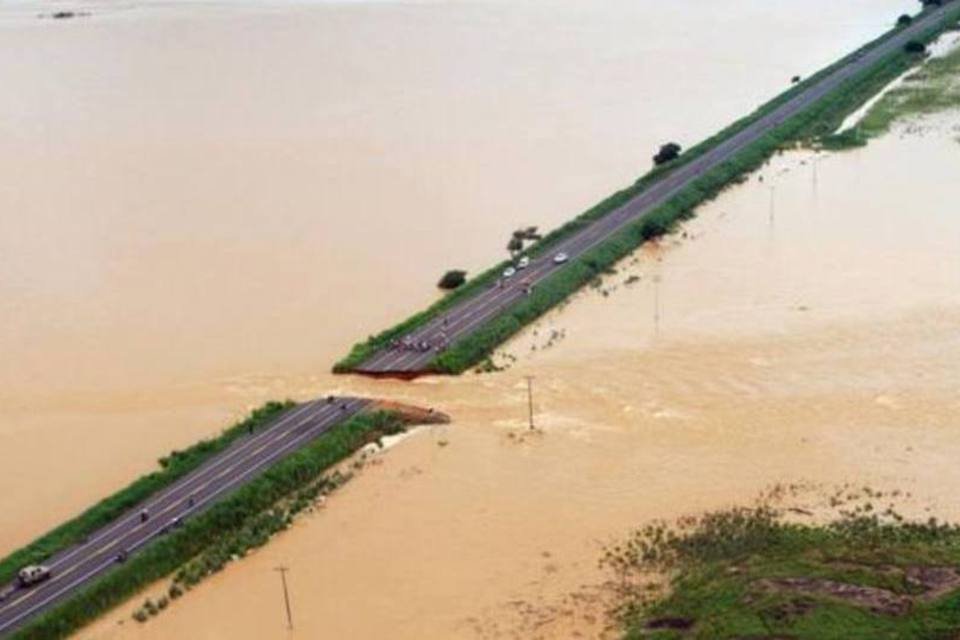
point(656, 305)
point(530, 399)
point(286, 596)
point(773, 191)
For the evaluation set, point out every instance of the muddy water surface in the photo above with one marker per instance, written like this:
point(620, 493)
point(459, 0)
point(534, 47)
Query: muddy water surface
point(187, 231)
point(812, 341)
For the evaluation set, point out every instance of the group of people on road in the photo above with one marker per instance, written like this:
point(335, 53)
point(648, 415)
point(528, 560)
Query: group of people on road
point(437, 342)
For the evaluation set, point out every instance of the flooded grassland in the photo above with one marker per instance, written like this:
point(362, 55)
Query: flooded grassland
point(802, 328)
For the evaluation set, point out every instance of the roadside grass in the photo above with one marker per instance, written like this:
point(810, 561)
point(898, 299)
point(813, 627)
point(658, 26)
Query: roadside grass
point(806, 128)
point(933, 88)
point(747, 572)
point(172, 467)
point(814, 125)
point(243, 520)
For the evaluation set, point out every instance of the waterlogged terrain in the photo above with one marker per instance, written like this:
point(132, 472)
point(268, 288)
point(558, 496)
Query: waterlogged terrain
point(801, 329)
point(695, 387)
point(188, 231)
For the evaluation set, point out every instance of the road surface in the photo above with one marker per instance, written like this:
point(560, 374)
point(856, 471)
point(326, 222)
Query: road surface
point(76, 567)
point(471, 314)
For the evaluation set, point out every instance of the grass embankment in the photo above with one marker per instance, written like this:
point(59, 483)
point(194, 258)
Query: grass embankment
point(933, 88)
point(748, 573)
point(805, 128)
point(829, 115)
point(172, 468)
point(243, 520)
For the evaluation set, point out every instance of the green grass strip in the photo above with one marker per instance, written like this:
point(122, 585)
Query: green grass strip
point(164, 556)
point(172, 468)
point(832, 110)
point(808, 126)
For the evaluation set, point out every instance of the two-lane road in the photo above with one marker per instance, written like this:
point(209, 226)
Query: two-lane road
point(471, 314)
point(242, 461)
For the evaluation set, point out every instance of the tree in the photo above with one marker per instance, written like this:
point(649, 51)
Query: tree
point(452, 279)
point(515, 245)
point(915, 46)
point(668, 152)
point(904, 20)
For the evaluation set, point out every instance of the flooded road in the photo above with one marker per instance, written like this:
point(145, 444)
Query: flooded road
point(188, 231)
point(813, 341)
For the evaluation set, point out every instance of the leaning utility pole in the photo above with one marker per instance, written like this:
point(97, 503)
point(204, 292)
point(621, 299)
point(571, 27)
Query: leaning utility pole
point(530, 399)
point(286, 596)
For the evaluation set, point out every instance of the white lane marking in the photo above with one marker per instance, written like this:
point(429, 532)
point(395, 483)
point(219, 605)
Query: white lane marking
point(239, 480)
point(326, 411)
point(654, 197)
point(182, 483)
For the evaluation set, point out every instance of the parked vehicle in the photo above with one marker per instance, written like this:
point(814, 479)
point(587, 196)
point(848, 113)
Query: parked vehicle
point(509, 272)
point(560, 258)
point(523, 263)
point(33, 574)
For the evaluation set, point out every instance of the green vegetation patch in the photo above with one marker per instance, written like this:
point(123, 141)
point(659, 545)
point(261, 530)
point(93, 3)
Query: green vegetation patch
point(172, 468)
point(242, 520)
point(749, 573)
point(806, 128)
point(812, 126)
point(933, 88)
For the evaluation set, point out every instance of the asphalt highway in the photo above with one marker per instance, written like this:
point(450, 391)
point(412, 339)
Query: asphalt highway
point(471, 314)
point(247, 457)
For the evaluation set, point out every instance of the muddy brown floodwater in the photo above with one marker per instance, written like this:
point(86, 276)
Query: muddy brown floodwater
point(187, 231)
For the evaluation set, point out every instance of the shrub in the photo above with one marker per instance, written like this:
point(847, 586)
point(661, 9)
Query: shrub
point(915, 47)
point(452, 279)
point(668, 153)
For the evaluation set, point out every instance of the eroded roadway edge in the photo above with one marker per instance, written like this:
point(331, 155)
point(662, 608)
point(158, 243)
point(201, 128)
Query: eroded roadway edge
point(247, 457)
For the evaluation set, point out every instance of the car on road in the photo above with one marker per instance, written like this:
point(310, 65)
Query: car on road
point(33, 574)
point(509, 272)
point(560, 258)
point(523, 263)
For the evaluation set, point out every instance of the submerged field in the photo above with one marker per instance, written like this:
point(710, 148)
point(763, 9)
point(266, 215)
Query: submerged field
point(804, 327)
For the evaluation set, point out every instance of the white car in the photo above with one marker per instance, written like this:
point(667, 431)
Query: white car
point(32, 575)
point(524, 263)
point(560, 258)
point(509, 272)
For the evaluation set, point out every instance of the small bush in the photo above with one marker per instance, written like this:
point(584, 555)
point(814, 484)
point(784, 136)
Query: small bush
point(452, 279)
point(915, 47)
point(668, 153)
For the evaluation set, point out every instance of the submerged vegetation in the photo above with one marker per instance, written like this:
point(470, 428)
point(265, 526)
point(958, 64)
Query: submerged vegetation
point(814, 124)
point(205, 543)
point(173, 467)
point(932, 88)
point(749, 572)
